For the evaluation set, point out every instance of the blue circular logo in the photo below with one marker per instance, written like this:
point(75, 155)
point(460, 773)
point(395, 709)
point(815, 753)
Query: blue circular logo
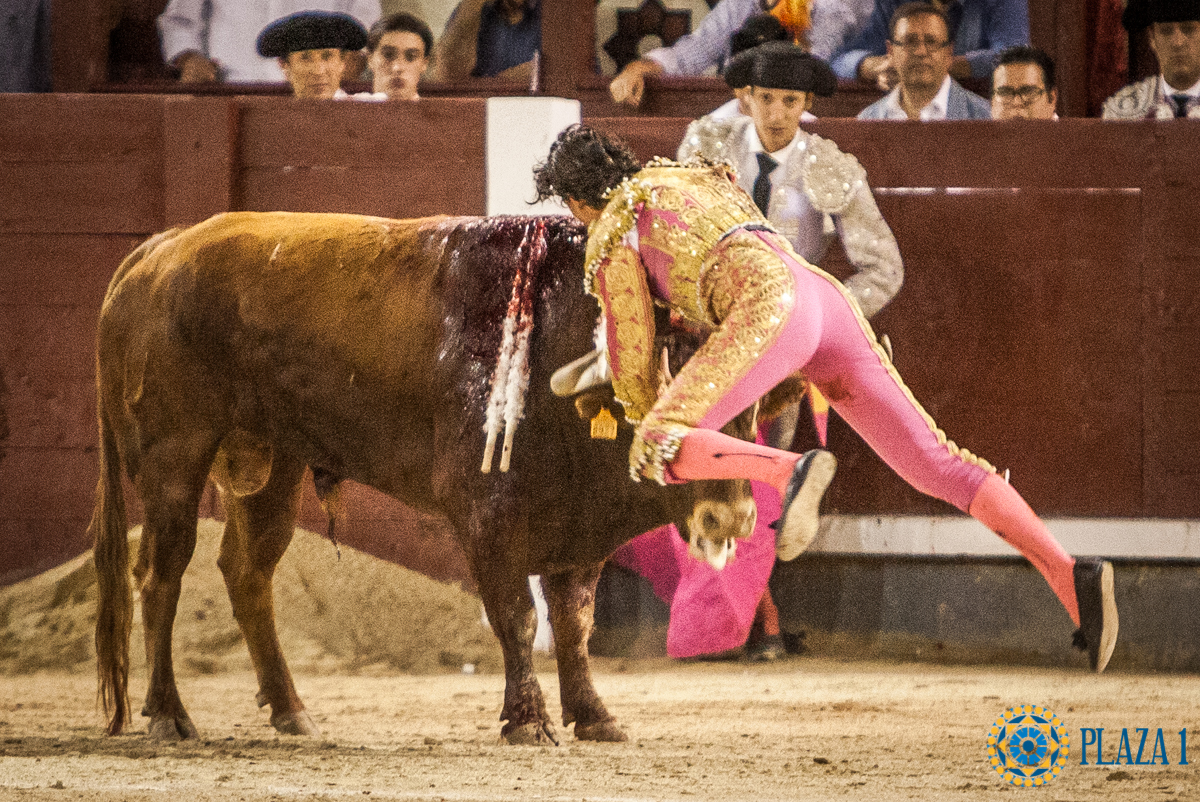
point(1028, 746)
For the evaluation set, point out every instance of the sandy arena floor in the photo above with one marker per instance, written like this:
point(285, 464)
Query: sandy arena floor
point(800, 729)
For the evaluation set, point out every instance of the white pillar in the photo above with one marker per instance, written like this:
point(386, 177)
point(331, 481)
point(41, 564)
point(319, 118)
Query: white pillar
point(520, 131)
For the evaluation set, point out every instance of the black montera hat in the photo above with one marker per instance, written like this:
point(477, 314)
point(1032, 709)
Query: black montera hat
point(311, 30)
point(783, 65)
point(1141, 13)
point(739, 70)
point(756, 30)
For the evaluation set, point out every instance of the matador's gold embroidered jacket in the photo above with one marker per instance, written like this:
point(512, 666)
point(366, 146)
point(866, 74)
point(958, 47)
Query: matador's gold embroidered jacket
point(684, 211)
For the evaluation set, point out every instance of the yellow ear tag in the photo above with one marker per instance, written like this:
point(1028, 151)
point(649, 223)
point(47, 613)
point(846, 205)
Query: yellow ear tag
point(604, 425)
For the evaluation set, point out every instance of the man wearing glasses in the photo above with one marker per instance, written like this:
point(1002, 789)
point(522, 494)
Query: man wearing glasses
point(919, 50)
point(1023, 86)
point(979, 31)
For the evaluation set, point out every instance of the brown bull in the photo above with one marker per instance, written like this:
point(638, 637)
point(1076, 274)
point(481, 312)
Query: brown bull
point(254, 345)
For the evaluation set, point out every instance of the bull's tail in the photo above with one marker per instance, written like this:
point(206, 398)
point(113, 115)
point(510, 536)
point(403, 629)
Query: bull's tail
point(114, 613)
point(109, 527)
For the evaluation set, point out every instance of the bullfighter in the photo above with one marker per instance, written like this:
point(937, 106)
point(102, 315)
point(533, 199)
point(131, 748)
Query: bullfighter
point(686, 236)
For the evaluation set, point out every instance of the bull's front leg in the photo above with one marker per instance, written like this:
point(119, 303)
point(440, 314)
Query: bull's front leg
point(571, 597)
point(511, 613)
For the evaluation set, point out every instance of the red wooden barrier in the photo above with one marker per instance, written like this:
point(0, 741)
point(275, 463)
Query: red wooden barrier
point(1048, 320)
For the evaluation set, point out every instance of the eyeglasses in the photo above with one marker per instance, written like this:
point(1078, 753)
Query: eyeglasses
point(914, 43)
point(1023, 94)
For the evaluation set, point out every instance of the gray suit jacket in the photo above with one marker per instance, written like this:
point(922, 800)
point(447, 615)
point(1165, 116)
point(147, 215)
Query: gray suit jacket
point(960, 105)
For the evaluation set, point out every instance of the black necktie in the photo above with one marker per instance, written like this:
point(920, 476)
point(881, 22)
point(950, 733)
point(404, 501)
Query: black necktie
point(1181, 105)
point(762, 184)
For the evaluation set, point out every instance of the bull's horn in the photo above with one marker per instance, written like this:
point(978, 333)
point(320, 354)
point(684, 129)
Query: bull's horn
point(664, 373)
point(714, 552)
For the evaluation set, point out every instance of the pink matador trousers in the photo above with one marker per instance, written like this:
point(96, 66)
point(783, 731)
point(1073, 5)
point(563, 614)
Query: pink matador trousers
point(824, 336)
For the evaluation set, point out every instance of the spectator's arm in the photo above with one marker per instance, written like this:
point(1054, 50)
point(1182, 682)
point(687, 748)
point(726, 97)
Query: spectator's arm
point(522, 72)
point(870, 41)
point(871, 249)
point(707, 45)
point(629, 86)
point(1006, 25)
point(183, 26)
point(845, 65)
point(454, 53)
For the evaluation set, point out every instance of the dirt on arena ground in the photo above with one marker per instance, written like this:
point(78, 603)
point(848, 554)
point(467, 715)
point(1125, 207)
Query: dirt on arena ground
point(419, 728)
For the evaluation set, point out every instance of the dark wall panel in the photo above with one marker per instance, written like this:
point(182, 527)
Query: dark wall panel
point(60, 269)
point(1049, 319)
point(647, 138)
point(395, 160)
point(79, 128)
point(1086, 153)
point(1018, 339)
point(383, 527)
point(80, 165)
point(81, 197)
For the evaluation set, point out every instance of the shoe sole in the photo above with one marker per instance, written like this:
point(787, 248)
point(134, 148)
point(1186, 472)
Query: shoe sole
point(1108, 631)
point(800, 526)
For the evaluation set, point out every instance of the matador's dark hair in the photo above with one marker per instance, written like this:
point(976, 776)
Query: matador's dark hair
point(583, 164)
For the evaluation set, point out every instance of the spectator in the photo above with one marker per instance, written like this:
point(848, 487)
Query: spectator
point(834, 23)
point(919, 50)
point(1175, 39)
point(311, 47)
point(490, 38)
point(214, 40)
point(398, 46)
point(979, 30)
point(25, 46)
point(1023, 86)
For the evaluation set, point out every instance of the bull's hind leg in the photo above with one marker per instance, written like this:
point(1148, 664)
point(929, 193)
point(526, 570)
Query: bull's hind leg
point(571, 597)
point(172, 479)
point(258, 530)
point(511, 613)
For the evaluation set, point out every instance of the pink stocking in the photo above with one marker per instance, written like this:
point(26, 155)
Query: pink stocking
point(1000, 508)
point(705, 454)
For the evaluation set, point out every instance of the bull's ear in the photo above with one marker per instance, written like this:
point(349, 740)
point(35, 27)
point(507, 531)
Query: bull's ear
point(787, 392)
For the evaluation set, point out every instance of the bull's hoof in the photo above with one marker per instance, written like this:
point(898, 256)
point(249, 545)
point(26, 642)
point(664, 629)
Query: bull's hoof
point(535, 733)
point(167, 728)
point(605, 731)
point(298, 723)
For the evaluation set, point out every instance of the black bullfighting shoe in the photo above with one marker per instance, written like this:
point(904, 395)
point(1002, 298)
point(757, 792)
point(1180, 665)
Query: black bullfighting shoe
point(797, 525)
point(766, 649)
point(1097, 633)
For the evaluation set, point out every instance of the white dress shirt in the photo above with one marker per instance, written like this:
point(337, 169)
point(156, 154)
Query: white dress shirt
point(934, 110)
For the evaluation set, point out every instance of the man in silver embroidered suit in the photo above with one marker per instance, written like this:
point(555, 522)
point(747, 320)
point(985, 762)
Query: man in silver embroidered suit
point(1175, 39)
point(813, 191)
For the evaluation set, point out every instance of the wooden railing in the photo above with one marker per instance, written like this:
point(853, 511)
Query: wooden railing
point(1048, 321)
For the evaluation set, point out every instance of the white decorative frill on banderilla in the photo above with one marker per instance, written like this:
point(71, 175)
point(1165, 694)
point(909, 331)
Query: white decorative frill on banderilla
point(506, 405)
